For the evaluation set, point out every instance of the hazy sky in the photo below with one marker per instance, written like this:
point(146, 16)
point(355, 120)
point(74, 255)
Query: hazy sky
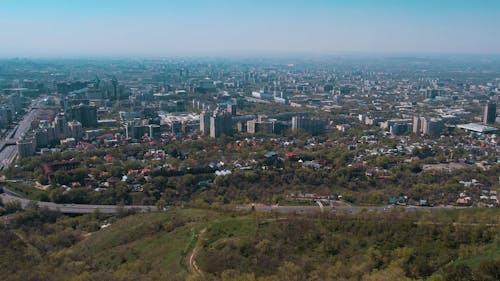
point(204, 27)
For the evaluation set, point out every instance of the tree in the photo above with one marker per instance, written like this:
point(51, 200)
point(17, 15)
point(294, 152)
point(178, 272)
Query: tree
point(388, 274)
point(291, 272)
point(13, 207)
point(161, 204)
point(459, 272)
point(488, 270)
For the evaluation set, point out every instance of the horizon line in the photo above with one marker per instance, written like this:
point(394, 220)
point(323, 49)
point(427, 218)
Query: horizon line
point(248, 54)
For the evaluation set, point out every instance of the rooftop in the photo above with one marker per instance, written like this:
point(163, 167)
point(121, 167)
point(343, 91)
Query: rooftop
point(477, 128)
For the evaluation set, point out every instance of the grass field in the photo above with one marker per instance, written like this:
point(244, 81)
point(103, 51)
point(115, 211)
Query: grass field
point(143, 242)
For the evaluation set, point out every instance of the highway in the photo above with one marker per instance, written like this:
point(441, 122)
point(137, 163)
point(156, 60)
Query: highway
point(78, 208)
point(25, 124)
point(7, 156)
point(9, 152)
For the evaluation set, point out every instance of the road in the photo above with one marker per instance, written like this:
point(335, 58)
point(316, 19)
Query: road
point(25, 124)
point(7, 156)
point(9, 152)
point(348, 209)
point(77, 208)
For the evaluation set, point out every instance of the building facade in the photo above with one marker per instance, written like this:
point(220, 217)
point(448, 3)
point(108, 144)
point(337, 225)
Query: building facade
point(490, 113)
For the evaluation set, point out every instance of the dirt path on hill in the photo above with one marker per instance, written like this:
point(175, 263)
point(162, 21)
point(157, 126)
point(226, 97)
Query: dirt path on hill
point(192, 257)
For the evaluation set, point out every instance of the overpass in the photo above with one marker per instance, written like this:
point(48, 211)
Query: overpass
point(6, 142)
point(10, 139)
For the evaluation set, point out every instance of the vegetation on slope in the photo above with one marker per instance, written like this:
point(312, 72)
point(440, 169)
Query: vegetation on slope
point(204, 244)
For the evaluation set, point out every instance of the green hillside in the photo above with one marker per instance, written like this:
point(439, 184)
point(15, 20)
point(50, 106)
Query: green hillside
point(202, 244)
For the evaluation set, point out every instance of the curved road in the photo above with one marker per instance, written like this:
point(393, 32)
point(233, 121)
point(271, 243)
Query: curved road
point(78, 208)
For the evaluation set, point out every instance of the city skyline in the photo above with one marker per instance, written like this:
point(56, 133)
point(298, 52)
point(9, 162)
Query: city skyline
point(182, 28)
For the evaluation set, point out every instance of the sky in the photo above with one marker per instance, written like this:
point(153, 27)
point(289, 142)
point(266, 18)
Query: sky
point(156, 28)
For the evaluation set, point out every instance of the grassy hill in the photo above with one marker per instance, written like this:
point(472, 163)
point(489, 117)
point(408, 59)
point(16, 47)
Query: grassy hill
point(202, 244)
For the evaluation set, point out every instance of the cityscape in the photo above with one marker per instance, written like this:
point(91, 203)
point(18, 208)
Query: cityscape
point(202, 162)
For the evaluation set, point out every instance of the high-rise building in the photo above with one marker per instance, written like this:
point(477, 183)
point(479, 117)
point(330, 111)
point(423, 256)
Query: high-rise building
point(205, 123)
point(221, 124)
point(75, 130)
point(42, 138)
point(490, 113)
point(417, 125)
point(136, 130)
point(176, 126)
point(252, 126)
point(423, 125)
point(312, 126)
point(51, 132)
point(114, 82)
point(60, 126)
point(231, 109)
point(432, 127)
point(26, 147)
point(260, 126)
point(85, 114)
point(266, 127)
point(241, 126)
point(398, 128)
point(5, 116)
point(154, 131)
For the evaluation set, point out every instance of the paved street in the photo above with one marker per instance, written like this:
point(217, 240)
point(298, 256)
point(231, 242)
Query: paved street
point(78, 208)
point(9, 152)
point(348, 209)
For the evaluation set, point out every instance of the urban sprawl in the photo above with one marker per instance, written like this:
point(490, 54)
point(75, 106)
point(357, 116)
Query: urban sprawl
point(340, 131)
